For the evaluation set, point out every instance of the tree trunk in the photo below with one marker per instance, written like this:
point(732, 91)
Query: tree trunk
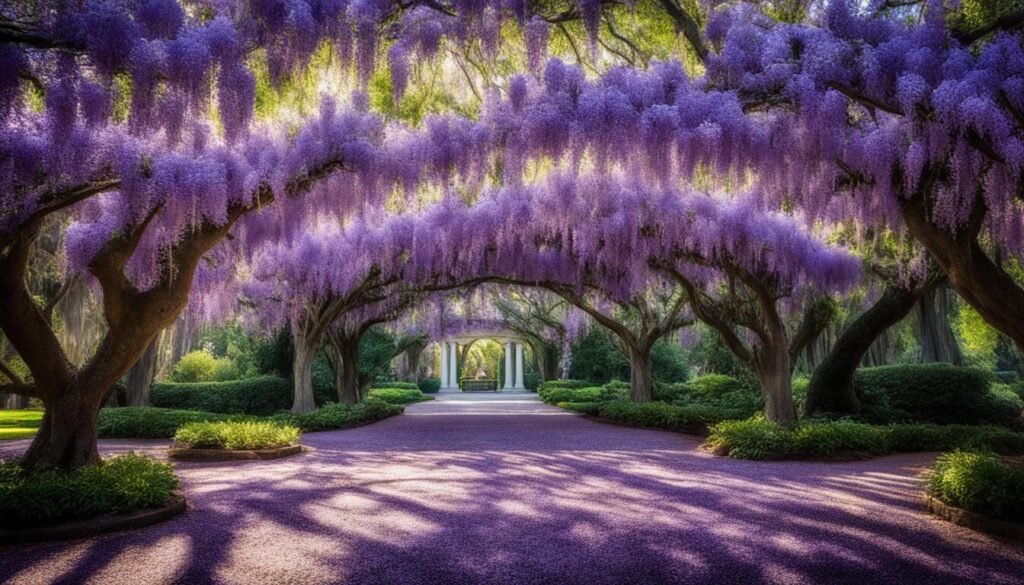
point(67, 436)
point(302, 371)
point(774, 371)
point(347, 373)
point(831, 386)
point(548, 362)
point(412, 360)
point(641, 374)
point(938, 343)
point(980, 282)
point(140, 377)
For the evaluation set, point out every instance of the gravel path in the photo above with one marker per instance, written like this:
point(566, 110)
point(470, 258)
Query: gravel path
point(503, 489)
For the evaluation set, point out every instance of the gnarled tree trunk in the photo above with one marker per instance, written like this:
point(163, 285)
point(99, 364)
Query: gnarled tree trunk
point(831, 386)
point(979, 281)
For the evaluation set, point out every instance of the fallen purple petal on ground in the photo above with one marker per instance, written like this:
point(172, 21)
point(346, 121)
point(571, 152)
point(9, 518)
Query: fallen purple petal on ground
point(503, 489)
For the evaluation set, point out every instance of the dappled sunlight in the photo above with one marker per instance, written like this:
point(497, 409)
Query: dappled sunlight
point(537, 499)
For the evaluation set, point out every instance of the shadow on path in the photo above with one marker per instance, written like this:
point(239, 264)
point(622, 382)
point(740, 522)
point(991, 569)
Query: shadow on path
point(512, 491)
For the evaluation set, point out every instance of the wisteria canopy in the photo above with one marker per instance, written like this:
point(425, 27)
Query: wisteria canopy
point(201, 153)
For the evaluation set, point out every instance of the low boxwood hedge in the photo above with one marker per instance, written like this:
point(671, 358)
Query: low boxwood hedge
point(558, 384)
point(235, 436)
point(979, 482)
point(429, 385)
point(123, 483)
point(261, 396)
point(938, 393)
point(402, 385)
point(760, 439)
point(152, 423)
point(163, 423)
point(556, 394)
point(336, 416)
point(398, 395)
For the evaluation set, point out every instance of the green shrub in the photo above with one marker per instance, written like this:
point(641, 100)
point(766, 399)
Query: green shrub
point(931, 437)
point(759, 439)
point(617, 385)
point(831, 439)
point(429, 385)
point(552, 384)
point(402, 385)
point(714, 390)
point(554, 395)
point(398, 395)
point(671, 392)
point(715, 385)
point(979, 482)
point(336, 416)
point(236, 435)
point(120, 484)
point(151, 423)
point(262, 396)
point(591, 408)
point(1007, 377)
point(660, 415)
point(939, 393)
point(202, 366)
point(749, 439)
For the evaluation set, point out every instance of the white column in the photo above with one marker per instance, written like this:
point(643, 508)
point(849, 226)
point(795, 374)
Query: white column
point(453, 367)
point(444, 365)
point(508, 366)
point(519, 367)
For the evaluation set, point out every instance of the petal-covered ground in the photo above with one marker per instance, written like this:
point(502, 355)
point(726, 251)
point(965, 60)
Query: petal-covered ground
point(503, 489)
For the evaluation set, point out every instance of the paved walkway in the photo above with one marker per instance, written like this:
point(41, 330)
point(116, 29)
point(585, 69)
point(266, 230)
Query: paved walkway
point(503, 489)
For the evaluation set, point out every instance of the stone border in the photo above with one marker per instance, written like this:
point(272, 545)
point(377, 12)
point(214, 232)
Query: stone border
point(973, 520)
point(96, 526)
point(187, 454)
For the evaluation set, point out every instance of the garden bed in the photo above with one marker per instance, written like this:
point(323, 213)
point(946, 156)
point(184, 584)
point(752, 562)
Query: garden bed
point(72, 530)
point(190, 454)
point(124, 491)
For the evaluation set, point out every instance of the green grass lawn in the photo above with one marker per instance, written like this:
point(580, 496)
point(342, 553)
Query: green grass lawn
point(18, 424)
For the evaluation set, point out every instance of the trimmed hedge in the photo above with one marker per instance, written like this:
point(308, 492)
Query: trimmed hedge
point(979, 482)
point(559, 384)
point(398, 395)
point(429, 385)
point(761, 439)
point(336, 416)
point(402, 385)
point(152, 423)
point(261, 396)
point(938, 393)
point(690, 418)
point(236, 436)
point(120, 484)
point(163, 423)
point(556, 394)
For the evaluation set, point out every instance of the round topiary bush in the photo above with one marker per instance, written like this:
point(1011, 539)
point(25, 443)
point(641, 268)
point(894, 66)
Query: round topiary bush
point(429, 385)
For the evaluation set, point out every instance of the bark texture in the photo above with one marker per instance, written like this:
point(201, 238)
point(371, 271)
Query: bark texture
point(938, 343)
point(140, 377)
point(831, 386)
